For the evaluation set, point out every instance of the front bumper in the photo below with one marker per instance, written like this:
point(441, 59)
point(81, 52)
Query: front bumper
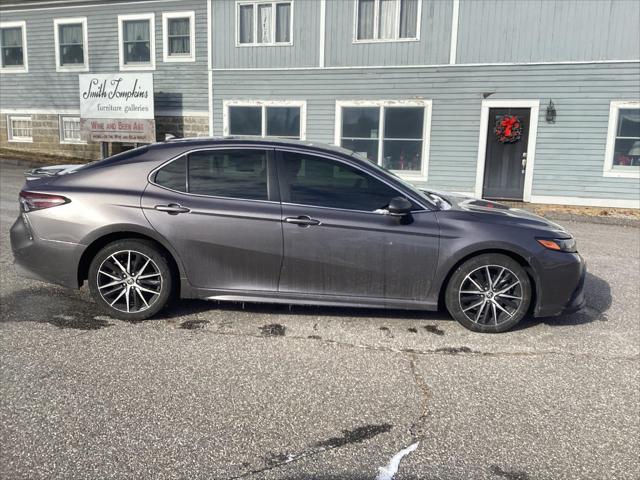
point(44, 260)
point(559, 283)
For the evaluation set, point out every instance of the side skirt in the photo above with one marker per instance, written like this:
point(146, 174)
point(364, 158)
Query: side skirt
point(301, 299)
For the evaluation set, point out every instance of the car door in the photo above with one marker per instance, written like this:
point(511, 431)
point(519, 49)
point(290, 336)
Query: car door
point(338, 241)
point(220, 210)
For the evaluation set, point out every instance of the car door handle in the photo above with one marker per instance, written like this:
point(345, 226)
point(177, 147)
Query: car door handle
point(172, 209)
point(302, 220)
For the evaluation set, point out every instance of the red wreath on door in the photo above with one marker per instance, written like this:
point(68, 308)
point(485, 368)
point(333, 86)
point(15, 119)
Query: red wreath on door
point(508, 129)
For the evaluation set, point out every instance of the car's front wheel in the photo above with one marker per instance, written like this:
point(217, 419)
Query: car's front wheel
point(130, 279)
point(489, 293)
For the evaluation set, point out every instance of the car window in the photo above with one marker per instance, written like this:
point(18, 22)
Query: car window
point(173, 175)
point(311, 180)
point(229, 173)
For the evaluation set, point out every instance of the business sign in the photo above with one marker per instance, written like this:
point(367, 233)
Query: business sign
point(117, 107)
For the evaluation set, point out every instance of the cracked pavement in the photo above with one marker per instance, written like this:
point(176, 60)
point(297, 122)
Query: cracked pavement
point(222, 391)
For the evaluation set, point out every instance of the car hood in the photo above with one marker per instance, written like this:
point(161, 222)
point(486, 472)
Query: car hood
point(493, 210)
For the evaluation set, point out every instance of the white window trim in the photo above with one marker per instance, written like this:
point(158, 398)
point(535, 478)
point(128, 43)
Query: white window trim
point(302, 104)
point(166, 16)
point(609, 170)
point(11, 137)
point(85, 44)
point(415, 176)
point(534, 105)
point(61, 131)
point(273, 43)
point(152, 41)
point(25, 67)
point(375, 38)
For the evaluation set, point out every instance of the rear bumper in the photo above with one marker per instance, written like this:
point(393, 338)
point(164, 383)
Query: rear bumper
point(44, 260)
point(560, 284)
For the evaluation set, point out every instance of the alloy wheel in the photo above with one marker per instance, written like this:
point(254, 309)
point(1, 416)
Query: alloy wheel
point(129, 281)
point(490, 295)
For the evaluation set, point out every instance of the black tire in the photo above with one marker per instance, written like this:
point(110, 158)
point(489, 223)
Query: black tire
point(149, 286)
point(503, 307)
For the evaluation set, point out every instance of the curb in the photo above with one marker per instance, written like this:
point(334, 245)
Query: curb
point(571, 217)
point(21, 162)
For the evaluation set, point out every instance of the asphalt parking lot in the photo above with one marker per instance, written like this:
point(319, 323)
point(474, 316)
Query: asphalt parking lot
point(226, 391)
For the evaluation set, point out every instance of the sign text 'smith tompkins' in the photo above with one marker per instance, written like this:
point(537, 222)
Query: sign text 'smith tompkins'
point(117, 107)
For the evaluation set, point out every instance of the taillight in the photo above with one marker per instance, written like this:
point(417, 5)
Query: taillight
point(37, 201)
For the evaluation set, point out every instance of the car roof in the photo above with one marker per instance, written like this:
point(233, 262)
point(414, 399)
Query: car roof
point(271, 142)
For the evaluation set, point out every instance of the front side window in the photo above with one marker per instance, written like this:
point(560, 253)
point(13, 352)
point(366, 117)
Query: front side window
point(264, 23)
point(13, 46)
point(179, 36)
point(229, 173)
point(317, 181)
point(391, 136)
point(265, 120)
point(623, 143)
point(137, 42)
point(387, 19)
point(70, 129)
point(70, 40)
point(20, 128)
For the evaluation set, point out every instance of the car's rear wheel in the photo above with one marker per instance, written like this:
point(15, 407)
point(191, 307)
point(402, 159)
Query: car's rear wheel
point(130, 279)
point(489, 293)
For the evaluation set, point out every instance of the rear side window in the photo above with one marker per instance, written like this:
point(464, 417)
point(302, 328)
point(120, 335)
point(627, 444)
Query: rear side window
point(174, 175)
point(311, 180)
point(229, 173)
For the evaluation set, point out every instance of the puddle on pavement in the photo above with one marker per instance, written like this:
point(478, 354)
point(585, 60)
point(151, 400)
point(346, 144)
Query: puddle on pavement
point(357, 435)
point(194, 324)
point(509, 474)
point(434, 329)
point(69, 321)
point(273, 330)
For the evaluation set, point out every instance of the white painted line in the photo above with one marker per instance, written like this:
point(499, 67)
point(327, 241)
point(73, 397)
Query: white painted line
point(387, 473)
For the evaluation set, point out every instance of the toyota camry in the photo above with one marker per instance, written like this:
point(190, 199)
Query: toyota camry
point(244, 219)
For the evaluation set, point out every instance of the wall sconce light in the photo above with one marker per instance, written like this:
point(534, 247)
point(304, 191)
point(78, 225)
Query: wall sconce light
point(551, 113)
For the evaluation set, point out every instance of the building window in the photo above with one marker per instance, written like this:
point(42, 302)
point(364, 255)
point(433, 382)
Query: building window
point(19, 128)
point(70, 35)
point(13, 47)
point(623, 140)
point(137, 41)
point(70, 129)
point(264, 23)
point(179, 36)
point(284, 119)
point(392, 134)
point(387, 20)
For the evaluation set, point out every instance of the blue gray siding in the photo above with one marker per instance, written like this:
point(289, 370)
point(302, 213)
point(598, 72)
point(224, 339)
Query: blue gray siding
point(569, 155)
point(431, 49)
point(303, 52)
point(548, 31)
point(178, 86)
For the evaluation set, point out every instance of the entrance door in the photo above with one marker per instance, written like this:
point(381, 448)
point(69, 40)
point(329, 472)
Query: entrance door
point(505, 161)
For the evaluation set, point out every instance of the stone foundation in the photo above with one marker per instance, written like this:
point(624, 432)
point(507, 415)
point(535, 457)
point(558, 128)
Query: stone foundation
point(46, 135)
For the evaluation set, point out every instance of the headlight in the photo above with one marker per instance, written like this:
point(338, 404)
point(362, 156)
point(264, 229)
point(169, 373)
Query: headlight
point(560, 244)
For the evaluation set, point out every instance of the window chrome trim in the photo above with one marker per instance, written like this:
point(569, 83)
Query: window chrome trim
point(205, 149)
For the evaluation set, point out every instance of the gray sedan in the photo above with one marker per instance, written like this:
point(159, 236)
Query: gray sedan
point(289, 222)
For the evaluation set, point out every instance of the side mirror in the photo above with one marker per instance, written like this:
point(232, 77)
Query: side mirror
point(399, 206)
